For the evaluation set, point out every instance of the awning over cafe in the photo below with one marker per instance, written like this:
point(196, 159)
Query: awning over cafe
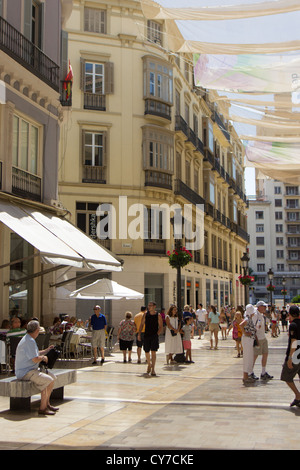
point(57, 240)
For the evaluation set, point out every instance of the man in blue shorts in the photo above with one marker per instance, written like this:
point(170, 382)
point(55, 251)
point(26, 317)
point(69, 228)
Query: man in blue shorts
point(98, 322)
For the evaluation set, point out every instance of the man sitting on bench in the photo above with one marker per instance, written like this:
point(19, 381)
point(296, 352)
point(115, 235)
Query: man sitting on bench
point(28, 358)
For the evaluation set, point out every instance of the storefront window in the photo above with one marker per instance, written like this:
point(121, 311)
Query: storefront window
point(21, 292)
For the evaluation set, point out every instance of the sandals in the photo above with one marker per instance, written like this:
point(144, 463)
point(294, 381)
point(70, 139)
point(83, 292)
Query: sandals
point(46, 412)
point(295, 403)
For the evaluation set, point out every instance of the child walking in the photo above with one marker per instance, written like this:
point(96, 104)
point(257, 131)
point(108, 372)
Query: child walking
point(187, 344)
point(237, 332)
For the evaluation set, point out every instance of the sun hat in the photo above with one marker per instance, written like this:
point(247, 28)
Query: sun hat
point(249, 310)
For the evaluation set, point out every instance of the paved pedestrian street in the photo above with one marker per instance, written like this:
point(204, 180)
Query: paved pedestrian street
point(116, 406)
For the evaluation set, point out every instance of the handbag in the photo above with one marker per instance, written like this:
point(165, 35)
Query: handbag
point(173, 333)
point(52, 356)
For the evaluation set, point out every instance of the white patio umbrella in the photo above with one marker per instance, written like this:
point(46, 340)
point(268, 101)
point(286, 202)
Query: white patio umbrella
point(107, 290)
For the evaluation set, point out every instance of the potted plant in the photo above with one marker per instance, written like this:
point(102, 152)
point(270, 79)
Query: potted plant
point(270, 287)
point(246, 280)
point(179, 258)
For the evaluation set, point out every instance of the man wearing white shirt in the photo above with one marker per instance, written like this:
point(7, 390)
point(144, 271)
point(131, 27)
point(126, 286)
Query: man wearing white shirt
point(201, 315)
point(262, 348)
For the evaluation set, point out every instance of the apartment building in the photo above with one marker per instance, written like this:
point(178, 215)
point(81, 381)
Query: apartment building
point(274, 228)
point(138, 135)
point(32, 69)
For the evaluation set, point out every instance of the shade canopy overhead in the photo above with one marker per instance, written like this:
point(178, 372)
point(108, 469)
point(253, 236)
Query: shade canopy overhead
point(57, 240)
point(107, 290)
point(248, 51)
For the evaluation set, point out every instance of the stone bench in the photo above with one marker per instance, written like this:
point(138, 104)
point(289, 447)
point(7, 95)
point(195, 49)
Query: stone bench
point(21, 391)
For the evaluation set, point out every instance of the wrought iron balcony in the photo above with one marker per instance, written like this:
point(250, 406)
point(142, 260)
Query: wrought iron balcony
point(26, 185)
point(94, 101)
point(158, 108)
point(183, 190)
point(158, 179)
point(93, 174)
point(19, 48)
point(66, 93)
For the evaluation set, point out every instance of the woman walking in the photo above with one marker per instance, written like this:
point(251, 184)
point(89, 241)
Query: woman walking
point(249, 335)
point(213, 322)
point(173, 342)
point(126, 335)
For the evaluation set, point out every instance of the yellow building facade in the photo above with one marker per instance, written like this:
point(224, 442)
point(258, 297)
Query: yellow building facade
point(137, 135)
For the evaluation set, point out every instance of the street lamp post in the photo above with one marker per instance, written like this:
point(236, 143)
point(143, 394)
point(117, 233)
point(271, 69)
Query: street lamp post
point(245, 263)
point(271, 276)
point(284, 291)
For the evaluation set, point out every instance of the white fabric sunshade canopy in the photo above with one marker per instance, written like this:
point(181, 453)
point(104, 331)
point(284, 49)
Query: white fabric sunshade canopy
point(106, 289)
point(57, 240)
point(248, 50)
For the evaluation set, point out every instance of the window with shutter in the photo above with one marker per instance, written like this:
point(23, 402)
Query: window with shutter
point(95, 20)
point(96, 82)
point(158, 150)
point(154, 32)
point(94, 157)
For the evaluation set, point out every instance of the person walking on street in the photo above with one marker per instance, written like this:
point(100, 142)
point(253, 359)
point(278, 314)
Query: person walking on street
point(126, 335)
point(249, 335)
point(237, 331)
point(201, 315)
point(261, 349)
point(284, 318)
point(173, 342)
point(291, 366)
point(153, 327)
point(98, 323)
point(186, 330)
point(139, 343)
point(213, 322)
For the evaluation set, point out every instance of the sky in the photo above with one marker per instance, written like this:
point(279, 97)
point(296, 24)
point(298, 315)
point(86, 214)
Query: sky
point(250, 181)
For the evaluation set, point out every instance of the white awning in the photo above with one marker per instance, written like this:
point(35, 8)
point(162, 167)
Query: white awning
point(57, 240)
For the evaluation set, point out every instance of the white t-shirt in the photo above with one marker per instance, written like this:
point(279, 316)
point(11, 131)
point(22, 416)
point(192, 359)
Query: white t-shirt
point(201, 314)
point(259, 323)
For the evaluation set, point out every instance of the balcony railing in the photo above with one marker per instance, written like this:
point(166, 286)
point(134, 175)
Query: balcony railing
point(183, 190)
point(17, 46)
point(155, 246)
point(66, 93)
point(26, 185)
point(181, 125)
point(93, 174)
point(157, 108)
point(94, 101)
point(158, 179)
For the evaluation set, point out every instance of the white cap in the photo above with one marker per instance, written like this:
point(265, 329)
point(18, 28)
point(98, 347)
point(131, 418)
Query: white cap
point(261, 303)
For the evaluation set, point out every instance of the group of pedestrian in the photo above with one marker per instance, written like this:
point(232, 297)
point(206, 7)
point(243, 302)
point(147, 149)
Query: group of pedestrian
point(255, 344)
point(149, 323)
